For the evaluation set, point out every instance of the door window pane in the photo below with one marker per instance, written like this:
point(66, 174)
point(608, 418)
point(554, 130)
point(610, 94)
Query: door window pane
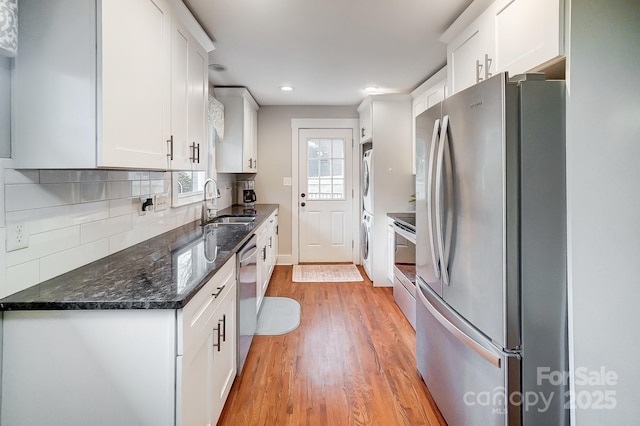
point(312, 148)
point(312, 168)
point(338, 148)
point(325, 169)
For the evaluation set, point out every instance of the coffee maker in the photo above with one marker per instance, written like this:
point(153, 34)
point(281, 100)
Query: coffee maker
point(245, 192)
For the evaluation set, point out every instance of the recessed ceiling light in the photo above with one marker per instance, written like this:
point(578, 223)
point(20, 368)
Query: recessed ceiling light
point(286, 88)
point(218, 67)
point(371, 89)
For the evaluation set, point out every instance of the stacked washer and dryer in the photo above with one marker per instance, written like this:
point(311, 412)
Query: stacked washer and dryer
point(367, 213)
point(387, 180)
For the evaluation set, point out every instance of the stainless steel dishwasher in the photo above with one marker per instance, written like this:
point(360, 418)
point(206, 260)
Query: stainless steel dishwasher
point(247, 312)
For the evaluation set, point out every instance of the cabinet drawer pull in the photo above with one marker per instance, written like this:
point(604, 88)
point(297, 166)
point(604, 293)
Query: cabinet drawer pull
point(217, 293)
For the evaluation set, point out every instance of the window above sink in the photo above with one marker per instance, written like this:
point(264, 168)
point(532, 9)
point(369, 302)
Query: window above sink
point(187, 187)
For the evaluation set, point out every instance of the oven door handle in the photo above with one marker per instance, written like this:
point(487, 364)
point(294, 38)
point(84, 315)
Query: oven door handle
point(404, 233)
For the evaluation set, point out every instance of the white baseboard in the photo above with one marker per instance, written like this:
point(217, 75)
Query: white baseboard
point(285, 259)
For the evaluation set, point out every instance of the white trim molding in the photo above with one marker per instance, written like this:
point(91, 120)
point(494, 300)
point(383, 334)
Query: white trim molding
point(324, 123)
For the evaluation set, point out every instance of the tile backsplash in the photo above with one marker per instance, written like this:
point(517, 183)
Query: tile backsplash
point(74, 217)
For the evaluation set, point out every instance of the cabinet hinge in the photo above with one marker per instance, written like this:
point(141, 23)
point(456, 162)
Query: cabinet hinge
point(351, 243)
point(353, 193)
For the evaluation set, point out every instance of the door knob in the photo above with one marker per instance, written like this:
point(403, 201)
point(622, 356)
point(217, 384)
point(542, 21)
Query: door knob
point(303, 204)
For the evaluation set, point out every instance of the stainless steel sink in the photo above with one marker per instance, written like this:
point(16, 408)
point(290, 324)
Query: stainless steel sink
point(233, 220)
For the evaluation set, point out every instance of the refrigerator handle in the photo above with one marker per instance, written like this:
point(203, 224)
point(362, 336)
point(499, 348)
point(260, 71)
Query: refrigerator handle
point(439, 232)
point(434, 140)
point(455, 331)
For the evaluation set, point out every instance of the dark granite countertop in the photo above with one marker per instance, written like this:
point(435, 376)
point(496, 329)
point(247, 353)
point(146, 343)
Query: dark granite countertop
point(163, 272)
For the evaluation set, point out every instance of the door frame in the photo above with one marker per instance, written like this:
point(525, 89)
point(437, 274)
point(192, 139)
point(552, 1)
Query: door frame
point(325, 123)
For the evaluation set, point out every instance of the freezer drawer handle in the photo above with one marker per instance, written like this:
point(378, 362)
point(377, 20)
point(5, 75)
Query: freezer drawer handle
point(459, 334)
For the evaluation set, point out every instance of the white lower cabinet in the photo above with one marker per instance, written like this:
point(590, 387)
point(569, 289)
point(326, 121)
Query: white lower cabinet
point(207, 361)
point(224, 357)
point(158, 367)
point(267, 254)
point(391, 248)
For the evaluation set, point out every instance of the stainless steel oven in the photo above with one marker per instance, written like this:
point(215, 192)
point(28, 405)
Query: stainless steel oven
point(404, 266)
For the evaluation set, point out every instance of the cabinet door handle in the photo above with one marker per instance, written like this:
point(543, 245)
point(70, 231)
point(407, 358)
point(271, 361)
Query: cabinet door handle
point(217, 345)
point(250, 163)
point(217, 293)
point(478, 70)
point(264, 253)
point(270, 238)
point(487, 65)
point(362, 133)
point(255, 163)
point(224, 327)
point(170, 143)
point(192, 148)
point(198, 153)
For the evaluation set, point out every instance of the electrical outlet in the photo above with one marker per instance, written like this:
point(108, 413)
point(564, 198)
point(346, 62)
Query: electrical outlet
point(286, 181)
point(161, 202)
point(17, 236)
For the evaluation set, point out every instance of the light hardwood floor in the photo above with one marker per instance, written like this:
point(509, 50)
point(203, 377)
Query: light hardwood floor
point(350, 362)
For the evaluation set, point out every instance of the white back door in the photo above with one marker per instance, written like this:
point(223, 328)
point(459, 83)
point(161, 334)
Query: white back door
point(325, 195)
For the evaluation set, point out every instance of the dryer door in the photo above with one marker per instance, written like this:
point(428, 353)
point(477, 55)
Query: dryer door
point(366, 184)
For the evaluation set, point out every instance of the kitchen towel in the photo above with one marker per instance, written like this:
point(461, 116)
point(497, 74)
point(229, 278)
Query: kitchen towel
point(8, 27)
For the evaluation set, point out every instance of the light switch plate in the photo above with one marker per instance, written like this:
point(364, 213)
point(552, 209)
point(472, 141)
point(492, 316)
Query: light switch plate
point(161, 202)
point(286, 181)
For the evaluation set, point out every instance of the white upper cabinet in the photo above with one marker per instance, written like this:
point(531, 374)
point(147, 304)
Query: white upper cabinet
point(529, 33)
point(238, 150)
point(93, 87)
point(132, 83)
point(424, 97)
point(509, 35)
point(189, 93)
point(470, 54)
point(366, 120)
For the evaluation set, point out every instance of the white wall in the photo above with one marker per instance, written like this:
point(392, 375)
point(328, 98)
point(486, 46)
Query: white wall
point(603, 182)
point(274, 154)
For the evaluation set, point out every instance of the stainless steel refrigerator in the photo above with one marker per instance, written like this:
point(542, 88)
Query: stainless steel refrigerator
point(491, 314)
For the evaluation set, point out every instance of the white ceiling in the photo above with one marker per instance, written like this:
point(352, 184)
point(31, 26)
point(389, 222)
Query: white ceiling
point(328, 50)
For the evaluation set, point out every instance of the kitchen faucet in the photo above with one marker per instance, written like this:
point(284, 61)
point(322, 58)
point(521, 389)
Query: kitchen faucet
point(206, 213)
